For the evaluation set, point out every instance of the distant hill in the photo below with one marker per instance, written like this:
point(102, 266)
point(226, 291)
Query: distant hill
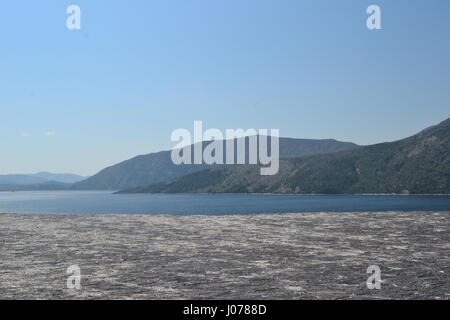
point(60, 177)
point(157, 167)
point(22, 179)
point(416, 165)
point(38, 181)
point(49, 185)
point(37, 178)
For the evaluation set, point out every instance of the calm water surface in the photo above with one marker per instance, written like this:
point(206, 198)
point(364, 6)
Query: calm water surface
point(105, 202)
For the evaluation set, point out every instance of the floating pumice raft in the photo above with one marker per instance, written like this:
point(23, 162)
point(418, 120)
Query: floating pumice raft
point(270, 256)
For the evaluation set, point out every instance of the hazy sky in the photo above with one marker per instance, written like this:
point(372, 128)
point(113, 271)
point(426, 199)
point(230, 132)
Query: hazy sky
point(80, 100)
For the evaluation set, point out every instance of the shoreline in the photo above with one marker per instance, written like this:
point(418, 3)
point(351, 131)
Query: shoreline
point(283, 194)
point(239, 193)
point(226, 214)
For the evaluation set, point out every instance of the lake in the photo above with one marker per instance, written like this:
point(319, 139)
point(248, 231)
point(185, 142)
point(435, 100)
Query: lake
point(98, 202)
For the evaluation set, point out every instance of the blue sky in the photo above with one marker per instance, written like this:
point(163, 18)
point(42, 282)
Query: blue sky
point(80, 100)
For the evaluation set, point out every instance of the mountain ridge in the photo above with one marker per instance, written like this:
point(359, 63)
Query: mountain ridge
point(60, 177)
point(419, 164)
point(38, 181)
point(157, 167)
